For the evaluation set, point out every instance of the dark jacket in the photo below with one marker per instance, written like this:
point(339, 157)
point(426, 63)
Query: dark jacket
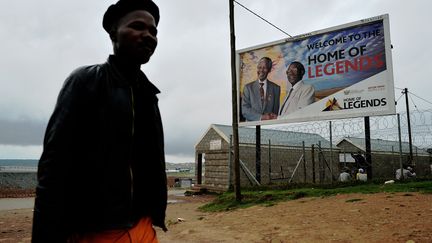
point(103, 164)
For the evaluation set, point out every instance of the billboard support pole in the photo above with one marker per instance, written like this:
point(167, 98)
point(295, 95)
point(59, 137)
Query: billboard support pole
point(368, 156)
point(234, 105)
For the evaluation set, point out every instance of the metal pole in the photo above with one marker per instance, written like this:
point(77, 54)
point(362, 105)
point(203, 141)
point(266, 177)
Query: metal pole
point(269, 160)
point(304, 162)
point(313, 163)
point(258, 153)
point(230, 162)
point(393, 162)
point(321, 163)
point(343, 151)
point(331, 151)
point(234, 104)
point(368, 156)
point(405, 91)
point(400, 147)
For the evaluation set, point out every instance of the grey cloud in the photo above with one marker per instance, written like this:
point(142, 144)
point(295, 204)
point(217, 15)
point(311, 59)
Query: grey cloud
point(45, 40)
point(21, 132)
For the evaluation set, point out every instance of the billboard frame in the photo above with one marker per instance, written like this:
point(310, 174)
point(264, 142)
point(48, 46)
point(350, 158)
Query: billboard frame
point(390, 108)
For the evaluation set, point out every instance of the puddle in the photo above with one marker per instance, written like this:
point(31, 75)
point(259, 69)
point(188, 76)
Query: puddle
point(175, 201)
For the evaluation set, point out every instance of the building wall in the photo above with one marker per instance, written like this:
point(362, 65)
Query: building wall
point(279, 162)
point(215, 161)
point(216, 169)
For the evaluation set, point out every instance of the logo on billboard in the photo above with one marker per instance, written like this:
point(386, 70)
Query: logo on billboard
point(332, 105)
point(352, 91)
point(359, 102)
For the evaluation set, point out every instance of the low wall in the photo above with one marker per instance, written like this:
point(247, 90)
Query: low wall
point(18, 180)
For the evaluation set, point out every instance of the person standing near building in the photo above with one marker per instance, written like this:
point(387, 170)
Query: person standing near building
point(300, 94)
point(101, 176)
point(261, 98)
point(361, 176)
point(407, 173)
point(345, 175)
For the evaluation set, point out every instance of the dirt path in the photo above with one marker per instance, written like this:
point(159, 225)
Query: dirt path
point(377, 217)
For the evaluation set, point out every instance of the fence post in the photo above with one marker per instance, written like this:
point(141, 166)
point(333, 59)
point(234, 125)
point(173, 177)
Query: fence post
point(331, 151)
point(343, 151)
point(393, 163)
point(321, 163)
point(269, 160)
point(313, 163)
point(400, 147)
point(304, 162)
point(258, 154)
point(230, 162)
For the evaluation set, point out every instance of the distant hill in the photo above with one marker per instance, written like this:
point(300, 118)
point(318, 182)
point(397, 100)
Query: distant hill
point(173, 166)
point(19, 162)
point(34, 162)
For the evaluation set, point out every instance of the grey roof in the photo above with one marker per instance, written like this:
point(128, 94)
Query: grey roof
point(277, 137)
point(382, 145)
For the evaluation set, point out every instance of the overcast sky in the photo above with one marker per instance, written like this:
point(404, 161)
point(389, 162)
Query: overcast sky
point(43, 41)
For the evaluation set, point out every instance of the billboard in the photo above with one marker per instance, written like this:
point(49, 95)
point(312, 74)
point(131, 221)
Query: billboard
point(339, 72)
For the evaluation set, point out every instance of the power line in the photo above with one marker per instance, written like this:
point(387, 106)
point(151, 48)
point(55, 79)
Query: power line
point(268, 22)
point(413, 103)
point(274, 26)
point(399, 98)
point(421, 98)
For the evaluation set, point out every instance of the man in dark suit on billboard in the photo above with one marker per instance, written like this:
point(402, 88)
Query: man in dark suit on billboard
point(260, 99)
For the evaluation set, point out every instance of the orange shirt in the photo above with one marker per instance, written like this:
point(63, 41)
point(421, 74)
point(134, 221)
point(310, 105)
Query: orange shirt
point(142, 232)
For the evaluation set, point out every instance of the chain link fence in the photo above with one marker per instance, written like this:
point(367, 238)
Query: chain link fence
point(320, 161)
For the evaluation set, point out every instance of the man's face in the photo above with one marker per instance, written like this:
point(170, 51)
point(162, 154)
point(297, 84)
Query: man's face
point(135, 38)
point(262, 70)
point(293, 74)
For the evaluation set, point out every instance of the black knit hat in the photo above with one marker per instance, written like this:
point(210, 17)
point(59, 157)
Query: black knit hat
point(123, 7)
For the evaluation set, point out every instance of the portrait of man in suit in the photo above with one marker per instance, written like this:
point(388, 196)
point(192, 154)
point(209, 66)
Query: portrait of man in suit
point(300, 94)
point(260, 98)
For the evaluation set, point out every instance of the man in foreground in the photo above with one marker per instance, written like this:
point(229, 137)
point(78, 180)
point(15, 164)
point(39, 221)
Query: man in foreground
point(101, 176)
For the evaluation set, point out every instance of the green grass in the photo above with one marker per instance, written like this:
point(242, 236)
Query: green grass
point(270, 195)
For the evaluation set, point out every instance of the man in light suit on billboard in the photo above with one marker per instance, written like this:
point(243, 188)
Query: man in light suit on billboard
point(260, 99)
point(300, 94)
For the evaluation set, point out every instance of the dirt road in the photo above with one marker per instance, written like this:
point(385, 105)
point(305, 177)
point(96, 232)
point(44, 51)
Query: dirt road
point(380, 217)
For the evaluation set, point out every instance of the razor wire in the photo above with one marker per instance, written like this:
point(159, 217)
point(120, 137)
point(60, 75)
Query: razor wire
point(381, 127)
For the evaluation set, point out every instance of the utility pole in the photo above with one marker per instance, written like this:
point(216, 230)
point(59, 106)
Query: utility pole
point(400, 147)
point(234, 105)
point(405, 91)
